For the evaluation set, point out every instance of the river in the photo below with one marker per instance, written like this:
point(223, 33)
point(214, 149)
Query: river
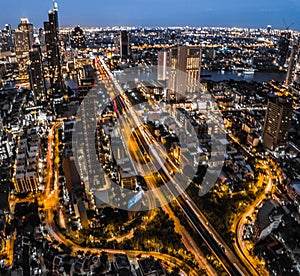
point(133, 73)
point(257, 76)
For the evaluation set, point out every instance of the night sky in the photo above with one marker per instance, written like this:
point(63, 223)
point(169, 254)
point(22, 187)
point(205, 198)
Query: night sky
point(231, 13)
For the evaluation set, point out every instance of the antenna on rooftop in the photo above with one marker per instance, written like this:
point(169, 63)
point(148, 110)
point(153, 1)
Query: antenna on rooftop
point(55, 5)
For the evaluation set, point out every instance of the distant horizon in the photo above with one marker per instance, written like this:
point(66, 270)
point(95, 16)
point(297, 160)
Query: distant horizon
point(157, 13)
point(62, 26)
point(170, 26)
point(154, 26)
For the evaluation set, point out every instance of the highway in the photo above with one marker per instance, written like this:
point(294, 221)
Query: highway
point(50, 199)
point(232, 267)
point(214, 241)
point(144, 141)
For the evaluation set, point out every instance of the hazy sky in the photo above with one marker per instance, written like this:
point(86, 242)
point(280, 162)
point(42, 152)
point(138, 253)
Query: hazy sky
point(240, 13)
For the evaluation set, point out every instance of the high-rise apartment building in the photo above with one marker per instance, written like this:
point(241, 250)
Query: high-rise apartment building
point(189, 62)
point(78, 39)
point(124, 45)
point(7, 41)
point(23, 43)
point(277, 122)
point(181, 66)
point(164, 64)
point(41, 38)
point(283, 48)
point(24, 36)
point(292, 65)
point(36, 73)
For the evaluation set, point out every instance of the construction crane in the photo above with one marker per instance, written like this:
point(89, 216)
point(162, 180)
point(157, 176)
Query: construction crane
point(287, 27)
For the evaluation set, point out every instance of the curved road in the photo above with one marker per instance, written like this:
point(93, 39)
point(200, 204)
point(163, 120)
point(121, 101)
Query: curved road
point(238, 226)
point(50, 201)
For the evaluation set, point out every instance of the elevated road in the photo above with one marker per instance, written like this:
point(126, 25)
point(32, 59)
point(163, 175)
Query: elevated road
point(231, 264)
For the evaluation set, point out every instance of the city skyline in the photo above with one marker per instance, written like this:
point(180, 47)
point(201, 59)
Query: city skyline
point(254, 14)
point(154, 141)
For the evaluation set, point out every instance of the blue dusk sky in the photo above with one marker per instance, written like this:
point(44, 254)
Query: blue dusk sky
point(231, 13)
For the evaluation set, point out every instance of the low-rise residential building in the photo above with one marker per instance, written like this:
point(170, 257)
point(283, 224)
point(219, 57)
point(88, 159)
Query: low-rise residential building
point(26, 176)
point(268, 218)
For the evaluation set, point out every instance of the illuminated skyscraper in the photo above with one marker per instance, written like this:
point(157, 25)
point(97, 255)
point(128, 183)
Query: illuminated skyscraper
point(164, 63)
point(277, 123)
point(8, 28)
point(23, 43)
point(52, 46)
point(185, 66)
point(124, 45)
point(292, 65)
point(7, 41)
point(189, 61)
point(297, 68)
point(41, 37)
point(24, 36)
point(78, 40)
point(283, 48)
point(36, 73)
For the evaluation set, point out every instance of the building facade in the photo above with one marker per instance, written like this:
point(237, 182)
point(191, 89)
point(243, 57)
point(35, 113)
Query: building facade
point(292, 65)
point(36, 74)
point(26, 176)
point(283, 48)
point(180, 66)
point(277, 123)
point(124, 45)
point(78, 39)
point(23, 44)
point(52, 47)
